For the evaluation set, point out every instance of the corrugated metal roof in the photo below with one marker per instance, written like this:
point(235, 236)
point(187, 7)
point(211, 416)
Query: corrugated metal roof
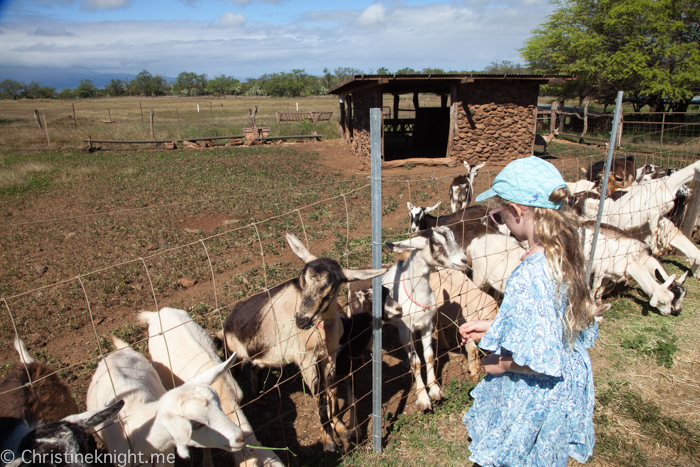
point(436, 83)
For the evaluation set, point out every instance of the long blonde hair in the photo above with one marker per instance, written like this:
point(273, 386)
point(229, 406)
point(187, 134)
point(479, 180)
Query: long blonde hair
point(557, 230)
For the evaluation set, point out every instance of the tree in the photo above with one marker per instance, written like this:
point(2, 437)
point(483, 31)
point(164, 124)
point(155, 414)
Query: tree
point(505, 67)
point(86, 88)
point(406, 71)
point(345, 73)
point(147, 84)
point(382, 71)
point(190, 84)
point(648, 48)
point(433, 71)
point(30, 90)
point(10, 89)
point(116, 87)
point(46, 92)
point(222, 85)
point(66, 93)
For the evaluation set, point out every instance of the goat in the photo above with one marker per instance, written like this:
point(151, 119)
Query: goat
point(627, 249)
point(669, 237)
point(357, 339)
point(493, 255)
point(459, 300)
point(181, 350)
point(296, 322)
point(623, 172)
point(154, 421)
point(462, 187)
point(409, 283)
point(579, 186)
point(544, 140)
point(38, 417)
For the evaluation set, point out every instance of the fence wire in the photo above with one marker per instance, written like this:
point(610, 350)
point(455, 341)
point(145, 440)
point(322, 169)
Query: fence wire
point(79, 314)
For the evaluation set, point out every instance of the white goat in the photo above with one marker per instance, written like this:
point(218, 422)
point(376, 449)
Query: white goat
point(462, 187)
point(669, 237)
point(154, 421)
point(181, 350)
point(409, 283)
point(493, 257)
point(579, 186)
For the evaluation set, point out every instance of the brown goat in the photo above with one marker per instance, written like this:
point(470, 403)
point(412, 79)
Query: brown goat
point(623, 172)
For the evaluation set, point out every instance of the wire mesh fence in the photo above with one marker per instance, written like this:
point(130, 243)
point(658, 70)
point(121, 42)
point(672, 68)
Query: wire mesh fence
point(69, 324)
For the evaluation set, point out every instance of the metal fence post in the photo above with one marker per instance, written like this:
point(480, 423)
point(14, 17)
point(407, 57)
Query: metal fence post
point(375, 119)
point(606, 176)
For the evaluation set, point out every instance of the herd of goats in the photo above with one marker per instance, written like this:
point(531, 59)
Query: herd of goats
point(453, 269)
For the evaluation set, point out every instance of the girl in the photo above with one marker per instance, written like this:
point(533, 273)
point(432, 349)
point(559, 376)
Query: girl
point(535, 405)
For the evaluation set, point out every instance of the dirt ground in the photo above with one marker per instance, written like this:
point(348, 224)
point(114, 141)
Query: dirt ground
point(289, 419)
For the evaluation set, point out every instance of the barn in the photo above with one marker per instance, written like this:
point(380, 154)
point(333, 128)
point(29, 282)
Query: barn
point(474, 117)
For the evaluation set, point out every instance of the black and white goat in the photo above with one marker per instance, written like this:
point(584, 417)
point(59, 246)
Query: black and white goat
point(296, 322)
point(462, 187)
point(38, 417)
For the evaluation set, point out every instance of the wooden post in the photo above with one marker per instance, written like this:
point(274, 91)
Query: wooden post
point(251, 117)
point(443, 100)
point(38, 120)
point(553, 117)
point(618, 139)
point(75, 121)
point(211, 111)
point(416, 101)
point(452, 129)
point(663, 124)
point(178, 117)
point(585, 120)
point(342, 118)
point(109, 112)
point(153, 136)
point(348, 109)
point(47, 130)
point(140, 107)
point(534, 132)
point(396, 111)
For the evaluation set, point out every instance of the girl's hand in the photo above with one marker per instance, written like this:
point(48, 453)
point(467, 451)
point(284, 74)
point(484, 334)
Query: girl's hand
point(474, 330)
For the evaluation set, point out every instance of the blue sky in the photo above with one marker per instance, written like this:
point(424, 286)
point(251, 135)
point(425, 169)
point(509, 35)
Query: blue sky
point(51, 39)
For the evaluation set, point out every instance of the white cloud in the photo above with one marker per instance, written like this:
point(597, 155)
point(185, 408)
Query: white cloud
point(104, 4)
point(228, 20)
point(373, 15)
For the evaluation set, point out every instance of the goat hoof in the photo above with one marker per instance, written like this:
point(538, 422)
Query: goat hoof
point(436, 393)
point(423, 402)
point(341, 430)
point(329, 446)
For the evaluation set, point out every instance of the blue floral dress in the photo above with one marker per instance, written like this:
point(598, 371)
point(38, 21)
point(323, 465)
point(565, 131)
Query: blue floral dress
point(533, 420)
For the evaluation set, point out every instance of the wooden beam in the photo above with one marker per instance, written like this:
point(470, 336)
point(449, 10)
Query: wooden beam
point(431, 162)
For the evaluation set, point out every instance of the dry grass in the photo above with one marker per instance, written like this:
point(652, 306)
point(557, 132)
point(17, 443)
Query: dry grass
point(174, 118)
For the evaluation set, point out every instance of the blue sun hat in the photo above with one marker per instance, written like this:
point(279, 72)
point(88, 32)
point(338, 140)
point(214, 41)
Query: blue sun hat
point(528, 181)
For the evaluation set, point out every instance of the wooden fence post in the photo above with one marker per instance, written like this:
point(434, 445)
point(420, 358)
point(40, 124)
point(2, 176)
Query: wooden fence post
point(47, 130)
point(38, 120)
point(211, 111)
point(153, 136)
point(553, 117)
point(585, 120)
point(178, 117)
point(75, 121)
point(663, 124)
point(109, 112)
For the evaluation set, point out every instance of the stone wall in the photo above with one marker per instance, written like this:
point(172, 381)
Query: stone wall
point(495, 120)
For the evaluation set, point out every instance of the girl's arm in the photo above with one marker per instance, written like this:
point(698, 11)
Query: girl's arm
point(497, 365)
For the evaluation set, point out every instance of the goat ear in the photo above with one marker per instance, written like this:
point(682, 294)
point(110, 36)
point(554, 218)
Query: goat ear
point(682, 278)
point(466, 165)
point(362, 274)
point(669, 281)
point(95, 417)
point(654, 301)
point(407, 245)
point(410, 205)
point(355, 303)
point(213, 373)
point(433, 207)
point(476, 168)
point(298, 248)
point(181, 430)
